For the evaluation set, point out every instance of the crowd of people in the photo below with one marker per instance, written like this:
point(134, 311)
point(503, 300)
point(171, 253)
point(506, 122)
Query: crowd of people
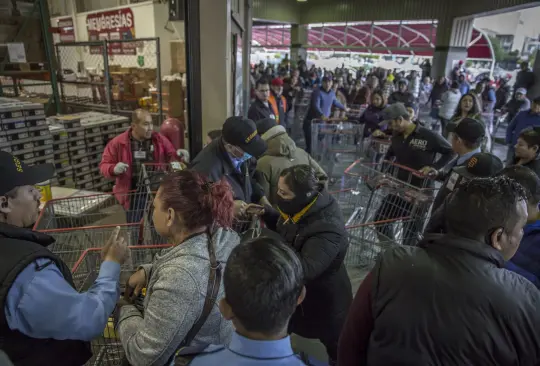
point(461, 290)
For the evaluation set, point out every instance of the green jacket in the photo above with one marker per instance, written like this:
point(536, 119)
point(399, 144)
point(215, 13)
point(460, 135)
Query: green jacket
point(282, 153)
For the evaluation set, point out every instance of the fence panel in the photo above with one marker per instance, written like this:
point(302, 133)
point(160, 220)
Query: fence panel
point(82, 75)
point(135, 69)
point(114, 76)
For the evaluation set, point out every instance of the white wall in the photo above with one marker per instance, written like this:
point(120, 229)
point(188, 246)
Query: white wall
point(215, 25)
point(150, 21)
point(521, 24)
point(166, 31)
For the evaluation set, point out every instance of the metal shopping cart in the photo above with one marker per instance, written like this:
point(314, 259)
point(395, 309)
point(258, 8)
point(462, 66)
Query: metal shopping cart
point(107, 349)
point(71, 243)
point(301, 109)
point(335, 144)
point(90, 210)
point(356, 111)
point(383, 204)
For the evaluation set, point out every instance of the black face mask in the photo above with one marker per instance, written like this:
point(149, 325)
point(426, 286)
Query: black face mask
point(293, 206)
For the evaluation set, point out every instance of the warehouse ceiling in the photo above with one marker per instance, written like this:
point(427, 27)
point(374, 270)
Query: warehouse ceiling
point(327, 11)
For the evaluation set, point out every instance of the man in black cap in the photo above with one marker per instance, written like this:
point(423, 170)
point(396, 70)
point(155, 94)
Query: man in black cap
point(43, 317)
point(415, 148)
point(466, 139)
point(230, 156)
point(480, 165)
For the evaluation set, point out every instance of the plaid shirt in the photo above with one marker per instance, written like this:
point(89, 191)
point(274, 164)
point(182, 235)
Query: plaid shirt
point(136, 146)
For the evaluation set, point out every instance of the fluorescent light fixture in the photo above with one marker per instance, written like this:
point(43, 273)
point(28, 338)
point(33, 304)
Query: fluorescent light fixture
point(302, 1)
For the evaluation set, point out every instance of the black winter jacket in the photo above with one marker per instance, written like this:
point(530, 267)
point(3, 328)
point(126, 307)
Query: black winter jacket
point(321, 242)
point(451, 302)
point(214, 162)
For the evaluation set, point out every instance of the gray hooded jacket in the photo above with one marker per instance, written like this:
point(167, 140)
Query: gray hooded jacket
point(282, 153)
point(175, 295)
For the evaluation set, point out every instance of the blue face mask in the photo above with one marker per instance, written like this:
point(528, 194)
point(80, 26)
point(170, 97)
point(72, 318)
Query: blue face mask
point(238, 161)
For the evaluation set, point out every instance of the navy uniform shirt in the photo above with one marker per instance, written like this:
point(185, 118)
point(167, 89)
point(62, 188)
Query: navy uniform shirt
point(419, 149)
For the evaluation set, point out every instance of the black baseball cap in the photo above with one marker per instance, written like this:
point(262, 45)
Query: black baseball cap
point(468, 129)
point(242, 132)
point(394, 111)
point(17, 174)
point(480, 165)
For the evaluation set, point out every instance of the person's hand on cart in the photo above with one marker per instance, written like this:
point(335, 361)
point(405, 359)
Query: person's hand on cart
point(116, 249)
point(240, 209)
point(136, 283)
point(429, 171)
point(254, 210)
point(378, 134)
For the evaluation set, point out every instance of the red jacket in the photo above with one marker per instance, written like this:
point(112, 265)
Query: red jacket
point(119, 150)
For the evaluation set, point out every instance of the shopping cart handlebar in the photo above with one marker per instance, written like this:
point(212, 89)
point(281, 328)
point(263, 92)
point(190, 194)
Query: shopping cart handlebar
point(135, 247)
point(414, 172)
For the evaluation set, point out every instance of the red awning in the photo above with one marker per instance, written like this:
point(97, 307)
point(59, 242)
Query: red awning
point(390, 38)
point(479, 47)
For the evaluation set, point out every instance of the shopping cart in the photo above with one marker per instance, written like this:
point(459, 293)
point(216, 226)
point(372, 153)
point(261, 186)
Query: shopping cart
point(366, 243)
point(301, 108)
point(91, 210)
point(375, 148)
point(242, 226)
point(387, 204)
point(336, 143)
point(107, 349)
point(70, 244)
point(151, 174)
point(356, 111)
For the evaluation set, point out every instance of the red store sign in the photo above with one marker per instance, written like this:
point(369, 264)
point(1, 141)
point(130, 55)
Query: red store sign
point(66, 30)
point(112, 25)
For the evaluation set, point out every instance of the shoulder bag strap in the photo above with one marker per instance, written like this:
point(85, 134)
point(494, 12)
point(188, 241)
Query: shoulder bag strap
point(214, 283)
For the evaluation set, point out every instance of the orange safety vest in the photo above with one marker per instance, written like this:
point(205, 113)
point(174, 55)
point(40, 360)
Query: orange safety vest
point(273, 103)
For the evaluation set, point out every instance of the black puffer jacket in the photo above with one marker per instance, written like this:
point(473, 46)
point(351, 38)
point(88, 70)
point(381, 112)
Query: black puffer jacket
point(451, 302)
point(320, 240)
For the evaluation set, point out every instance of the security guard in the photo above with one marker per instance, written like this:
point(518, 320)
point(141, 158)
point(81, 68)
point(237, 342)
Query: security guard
point(480, 165)
point(415, 148)
point(466, 139)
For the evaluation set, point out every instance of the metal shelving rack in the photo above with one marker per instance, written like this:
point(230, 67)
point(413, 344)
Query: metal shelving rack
point(41, 71)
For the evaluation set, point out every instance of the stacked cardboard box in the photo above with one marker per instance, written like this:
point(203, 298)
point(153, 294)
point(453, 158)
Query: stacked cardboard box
point(131, 82)
point(63, 168)
point(83, 138)
point(24, 132)
point(173, 98)
point(178, 57)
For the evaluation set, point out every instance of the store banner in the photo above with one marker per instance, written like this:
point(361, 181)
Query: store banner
point(112, 25)
point(67, 31)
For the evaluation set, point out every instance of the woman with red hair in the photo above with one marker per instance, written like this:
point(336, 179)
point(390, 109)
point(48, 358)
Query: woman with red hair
point(184, 282)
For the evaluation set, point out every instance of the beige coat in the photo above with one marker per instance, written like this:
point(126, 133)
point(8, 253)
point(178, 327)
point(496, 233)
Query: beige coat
point(282, 153)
